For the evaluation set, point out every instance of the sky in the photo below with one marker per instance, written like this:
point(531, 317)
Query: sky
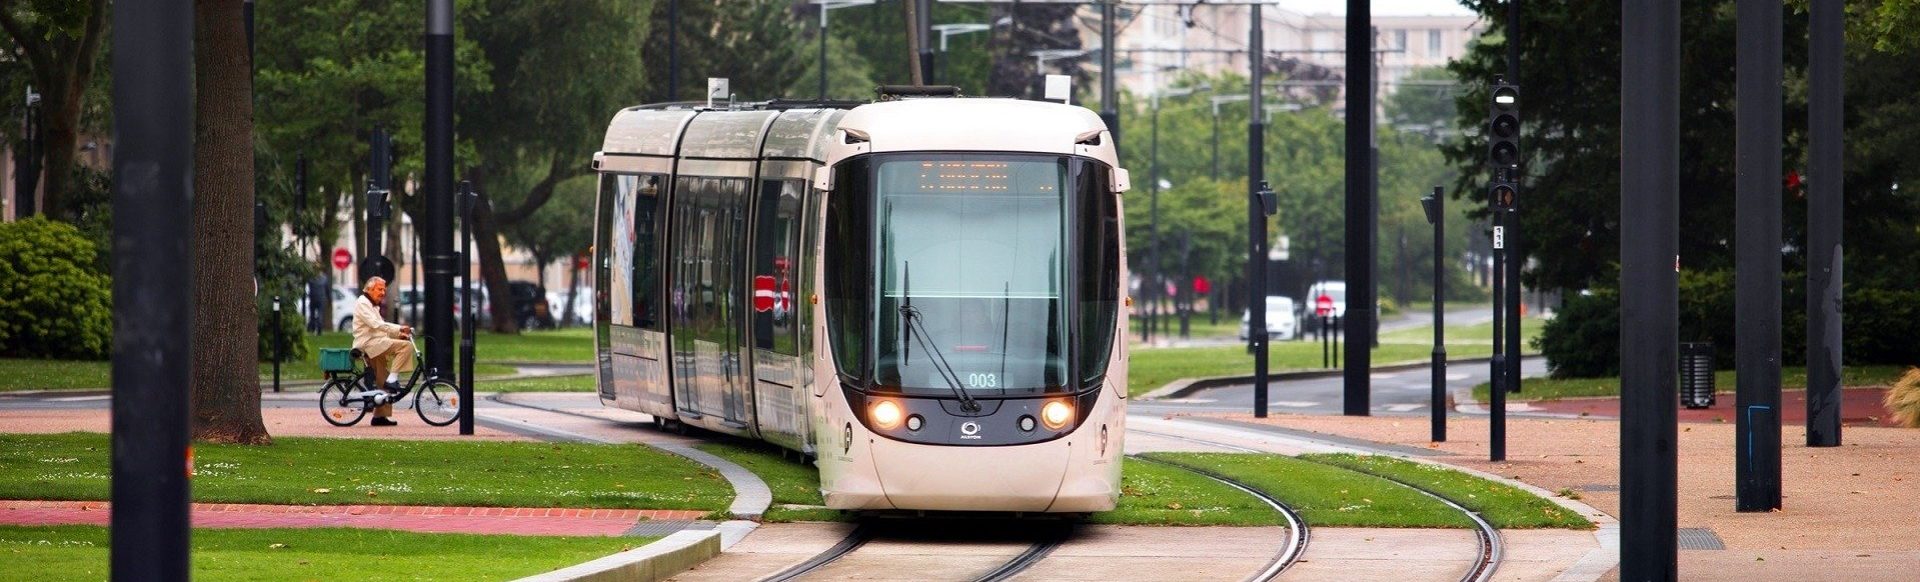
point(1380, 7)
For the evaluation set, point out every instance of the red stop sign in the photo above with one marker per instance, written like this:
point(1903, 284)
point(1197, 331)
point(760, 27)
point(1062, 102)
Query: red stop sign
point(763, 293)
point(342, 258)
point(1201, 286)
point(1323, 304)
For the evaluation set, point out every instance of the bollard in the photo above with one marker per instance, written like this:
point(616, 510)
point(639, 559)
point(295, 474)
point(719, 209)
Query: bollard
point(1696, 375)
point(279, 344)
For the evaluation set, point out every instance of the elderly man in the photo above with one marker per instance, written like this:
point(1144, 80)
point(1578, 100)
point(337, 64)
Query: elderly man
point(388, 346)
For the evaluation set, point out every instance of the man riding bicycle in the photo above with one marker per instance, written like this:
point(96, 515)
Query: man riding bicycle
point(388, 346)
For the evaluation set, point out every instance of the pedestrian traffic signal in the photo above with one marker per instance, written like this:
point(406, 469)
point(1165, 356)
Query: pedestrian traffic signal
point(1503, 126)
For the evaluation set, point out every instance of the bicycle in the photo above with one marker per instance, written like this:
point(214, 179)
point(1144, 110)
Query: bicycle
point(351, 390)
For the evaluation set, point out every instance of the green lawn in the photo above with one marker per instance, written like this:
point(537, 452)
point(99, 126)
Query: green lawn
point(792, 482)
point(1791, 378)
point(57, 553)
point(314, 471)
point(1326, 495)
point(1461, 335)
point(1504, 506)
point(573, 383)
point(1152, 368)
point(1157, 494)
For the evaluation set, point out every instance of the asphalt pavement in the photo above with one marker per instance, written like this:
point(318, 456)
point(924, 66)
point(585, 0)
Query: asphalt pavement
point(1402, 392)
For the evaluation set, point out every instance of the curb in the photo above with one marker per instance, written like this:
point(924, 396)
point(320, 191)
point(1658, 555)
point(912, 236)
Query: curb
point(656, 561)
point(1183, 387)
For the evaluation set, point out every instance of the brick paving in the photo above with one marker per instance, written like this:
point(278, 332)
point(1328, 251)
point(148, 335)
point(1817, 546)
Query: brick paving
point(1858, 406)
point(540, 521)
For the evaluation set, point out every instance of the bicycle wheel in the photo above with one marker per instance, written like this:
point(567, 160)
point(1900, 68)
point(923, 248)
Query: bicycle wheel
point(438, 402)
point(335, 405)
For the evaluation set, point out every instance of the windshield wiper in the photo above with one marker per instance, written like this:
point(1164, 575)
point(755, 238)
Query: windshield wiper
point(917, 328)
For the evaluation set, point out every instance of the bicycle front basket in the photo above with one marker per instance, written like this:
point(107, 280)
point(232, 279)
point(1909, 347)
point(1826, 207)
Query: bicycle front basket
point(336, 360)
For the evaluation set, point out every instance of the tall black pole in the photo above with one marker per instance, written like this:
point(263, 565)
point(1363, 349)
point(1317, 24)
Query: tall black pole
point(1513, 41)
point(379, 161)
point(1216, 144)
point(1826, 46)
point(1757, 110)
point(1109, 95)
point(279, 344)
point(467, 311)
point(1497, 394)
point(1649, 292)
point(823, 51)
point(1360, 244)
point(1151, 282)
point(1257, 215)
point(152, 292)
point(673, 50)
point(438, 188)
point(923, 18)
point(1436, 214)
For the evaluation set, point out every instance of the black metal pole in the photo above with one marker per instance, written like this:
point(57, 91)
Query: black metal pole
point(279, 344)
point(823, 52)
point(1109, 94)
point(152, 290)
point(1151, 282)
point(673, 51)
point(467, 308)
point(1497, 392)
point(1216, 142)
point(1183, 298)
point(1439, 218)
point(1257, 217)
point(924, 21)
point(380, 159)
point(1326, 342)
point(1649, 292)
point(438, 189)
point(1757, 110)
point(1360, 209)
point(1826, 46)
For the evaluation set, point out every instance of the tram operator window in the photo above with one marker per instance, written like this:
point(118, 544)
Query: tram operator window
point(977, 248)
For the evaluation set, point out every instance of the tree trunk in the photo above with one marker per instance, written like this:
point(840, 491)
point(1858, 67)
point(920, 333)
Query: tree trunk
point(62, 134)
point(226, 377)
point(493, 269)
point(573, 289)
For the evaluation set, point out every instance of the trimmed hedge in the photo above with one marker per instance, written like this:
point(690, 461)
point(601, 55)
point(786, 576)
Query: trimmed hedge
point(54, 301)
point(1583, 338)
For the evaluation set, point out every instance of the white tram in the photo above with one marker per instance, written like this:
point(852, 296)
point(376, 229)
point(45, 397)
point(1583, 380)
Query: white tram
point(924, 295)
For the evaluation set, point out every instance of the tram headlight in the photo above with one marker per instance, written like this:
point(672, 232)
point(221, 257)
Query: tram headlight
point(885, 414)
point(1055, 414)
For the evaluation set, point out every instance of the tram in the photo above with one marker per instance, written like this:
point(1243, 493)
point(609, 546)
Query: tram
point(924, 295)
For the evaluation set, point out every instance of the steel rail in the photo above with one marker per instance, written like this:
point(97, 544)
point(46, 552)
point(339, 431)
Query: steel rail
point(1301, 535)
point(858, 537)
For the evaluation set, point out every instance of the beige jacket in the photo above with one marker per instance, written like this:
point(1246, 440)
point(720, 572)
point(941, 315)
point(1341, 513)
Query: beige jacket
point(371, 333)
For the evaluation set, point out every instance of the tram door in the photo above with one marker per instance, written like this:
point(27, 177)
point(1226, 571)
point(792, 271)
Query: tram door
point(709, 238)
point(631, 324)
point(777, 321)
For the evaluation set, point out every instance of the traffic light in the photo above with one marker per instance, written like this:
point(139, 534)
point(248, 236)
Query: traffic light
point(1503, 126)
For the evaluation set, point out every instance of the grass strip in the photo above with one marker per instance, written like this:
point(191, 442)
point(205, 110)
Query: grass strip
point(59, 553)
point(1150, 369)
point(573, 383)
point(1503, 505)
point(792, 482)
point(1154, 493)
point(1791, 378)
point(1326, 495)
point(321, 471)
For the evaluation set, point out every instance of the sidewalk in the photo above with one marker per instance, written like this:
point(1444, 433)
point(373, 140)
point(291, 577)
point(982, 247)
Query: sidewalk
point(528, 521)
point(1858, 406)
point(1836, 522)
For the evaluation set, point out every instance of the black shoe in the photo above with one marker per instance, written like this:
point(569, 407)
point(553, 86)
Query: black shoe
point(384, 421)
point(393, 387)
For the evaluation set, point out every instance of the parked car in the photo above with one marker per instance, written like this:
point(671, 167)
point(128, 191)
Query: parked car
point(530, 307)
point(1281, 324)
point(582, 307)
point(1307, 320)
point(342, 307)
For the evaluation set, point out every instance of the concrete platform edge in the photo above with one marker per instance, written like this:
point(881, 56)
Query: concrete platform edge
point(656, 561)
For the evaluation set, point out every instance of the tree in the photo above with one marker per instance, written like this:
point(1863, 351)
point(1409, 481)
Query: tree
point(1423, 99)
point(539, 121)
point(60, 40)
point(1032, 27)
point(226, 379)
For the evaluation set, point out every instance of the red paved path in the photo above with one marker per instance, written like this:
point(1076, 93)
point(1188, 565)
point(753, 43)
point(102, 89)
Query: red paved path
point(479, 520)
point(1859, 406)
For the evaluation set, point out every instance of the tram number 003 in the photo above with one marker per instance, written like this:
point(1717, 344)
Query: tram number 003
point(983, 380)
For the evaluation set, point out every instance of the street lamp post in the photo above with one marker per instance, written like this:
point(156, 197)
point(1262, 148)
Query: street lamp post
point(826, 5)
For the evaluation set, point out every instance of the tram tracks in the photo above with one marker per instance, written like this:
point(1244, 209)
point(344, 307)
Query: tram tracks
point(1043, 545)
point(1482, 569)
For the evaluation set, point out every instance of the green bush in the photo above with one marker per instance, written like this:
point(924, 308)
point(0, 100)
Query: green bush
point(54, 301)
point(1583, 338)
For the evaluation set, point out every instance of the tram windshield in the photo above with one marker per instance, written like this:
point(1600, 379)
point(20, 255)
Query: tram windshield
point(972, 289)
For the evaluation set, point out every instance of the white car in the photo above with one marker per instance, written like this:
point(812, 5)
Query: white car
point(342, 307)
point(1280, 319)
point(1309, 320)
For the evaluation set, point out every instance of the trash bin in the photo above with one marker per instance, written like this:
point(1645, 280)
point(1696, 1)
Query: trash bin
point(1696, 374)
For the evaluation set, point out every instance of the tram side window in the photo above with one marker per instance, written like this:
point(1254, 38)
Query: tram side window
point(849, 264)
point(777, 266)
point(601, 249)
point(1099, 232)
point(646, 257)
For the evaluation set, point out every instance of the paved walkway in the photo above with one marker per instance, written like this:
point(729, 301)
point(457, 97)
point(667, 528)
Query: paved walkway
point(528, 521)
point(1858, 406)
